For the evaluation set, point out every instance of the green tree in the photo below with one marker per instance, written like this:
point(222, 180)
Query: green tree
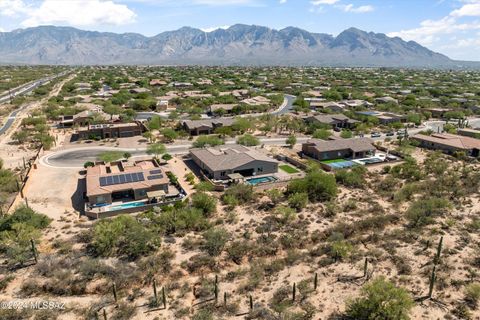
point(215, 240)
point(346, 134)
point(207, 141)
point(318, 185)
point(169, 134)
point(204, 202)
point(298, 201)
point(380, 299)
point(156, 149)
point(291, 141)
point(323, 134)
point(248, 140)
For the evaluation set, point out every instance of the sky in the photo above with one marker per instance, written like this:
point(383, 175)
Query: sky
point(451, 27)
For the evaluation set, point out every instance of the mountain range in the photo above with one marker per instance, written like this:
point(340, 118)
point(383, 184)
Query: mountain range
point(238, 45)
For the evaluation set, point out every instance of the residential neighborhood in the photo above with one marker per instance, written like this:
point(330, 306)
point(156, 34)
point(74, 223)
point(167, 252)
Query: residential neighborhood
point(153, 190)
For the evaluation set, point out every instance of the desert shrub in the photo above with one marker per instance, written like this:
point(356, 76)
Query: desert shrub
point(243, 193)
point(298, 201)
point(354, 177)
point(179, 220)
point(237, 250)
point(380, 299)
point(472, 294)
point(282, 299)
point(16, 232)
point(206, 203)
point(123, 236)
point(215, 240)
point(318, 185)
point(424, 211)
point(339, 248)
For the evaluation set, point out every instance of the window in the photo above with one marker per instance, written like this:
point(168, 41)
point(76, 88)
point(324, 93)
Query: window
point(222, 174)
point(260, 169)
point(142, 192)
point(100, 199)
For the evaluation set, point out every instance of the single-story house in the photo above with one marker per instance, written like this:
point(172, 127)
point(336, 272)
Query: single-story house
point(207, 126)
point(383, 117)
point(256, 101)
point(157, 82)
point(124, 181)
point(82, 118)
point(113, 130)
point(227, 108)
point(356, 103)
point(449, 143)
point(467, 132)
point(220, 162)
point(334, 120)
point(354, 148)
point(386, 100)
point(438, 112)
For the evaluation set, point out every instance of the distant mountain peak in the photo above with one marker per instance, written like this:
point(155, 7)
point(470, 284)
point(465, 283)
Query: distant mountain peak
point(240, 44)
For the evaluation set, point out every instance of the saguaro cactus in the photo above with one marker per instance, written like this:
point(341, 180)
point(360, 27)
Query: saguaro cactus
point(433, 278)
point(164, 298)
point(251, 303)
point(155, 291)
point(439, 251)
point(34, 250)
point(315, 281)
point(294, 291)
point(114, 290)
point(365, 268)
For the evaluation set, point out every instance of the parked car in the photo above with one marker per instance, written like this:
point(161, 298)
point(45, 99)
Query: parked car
point(376, 135)
point(389, 134)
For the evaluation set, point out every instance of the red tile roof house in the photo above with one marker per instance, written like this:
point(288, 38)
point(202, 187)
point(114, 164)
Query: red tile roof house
point(450, 143)
point(122, 186)
point(355, 148)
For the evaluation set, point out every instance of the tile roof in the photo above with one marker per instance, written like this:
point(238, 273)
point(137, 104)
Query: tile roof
point(354, 144)
point(451, 140)
point(231, 157)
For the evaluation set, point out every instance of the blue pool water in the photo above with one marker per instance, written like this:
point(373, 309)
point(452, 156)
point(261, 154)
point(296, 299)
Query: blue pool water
point(255, 181)
point(126, 206)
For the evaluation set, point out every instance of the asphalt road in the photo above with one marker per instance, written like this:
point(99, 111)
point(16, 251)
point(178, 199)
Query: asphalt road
point(11, 118)
point(75, 158)
point(285, 107)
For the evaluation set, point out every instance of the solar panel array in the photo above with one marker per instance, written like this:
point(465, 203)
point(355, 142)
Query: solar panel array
point(158, 176)
point(156, 171)
point(121, 178)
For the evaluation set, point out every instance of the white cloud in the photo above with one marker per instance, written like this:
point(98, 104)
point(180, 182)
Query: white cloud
point(79, 13)
point(468, 10)
point(2, 30)
point(223, 2)
point(362, 9)
point(11, 8)
point(282, 1)
point(322, 2)
point(452, 34)
point(210, 29)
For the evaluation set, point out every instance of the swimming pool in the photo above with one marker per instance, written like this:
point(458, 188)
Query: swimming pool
point(255, 181)
point(126, 206)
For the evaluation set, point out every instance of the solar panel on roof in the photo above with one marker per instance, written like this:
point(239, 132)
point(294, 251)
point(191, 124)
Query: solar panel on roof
point(134, 177)
point(128, 178)
point(155, 171)
point(140, 176)
point(116, 179)
point(159, 176)
point(122, 178)
point(103, 182)
point(109, 181)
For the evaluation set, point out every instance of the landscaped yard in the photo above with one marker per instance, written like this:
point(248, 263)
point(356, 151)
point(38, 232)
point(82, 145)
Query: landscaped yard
point(332, 161)
point(288, 169)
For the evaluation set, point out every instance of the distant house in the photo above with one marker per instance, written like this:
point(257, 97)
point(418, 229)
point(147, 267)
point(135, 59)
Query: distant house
point(438, 112)
point(82, 86)
point(157, 83)
point(324, 105)
point(207, 126)
point(354, 148)
point(139, 90)
point(386, 100)
point(226, 108)
point(334, 120)
point(450, 143)
point(181, 84)
point(162, 105)
point(82, 118)
point(467, 132)
point(108, 131)
point(383, 117)
point(356, 103)
point(220, 162)
point(256, 101)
